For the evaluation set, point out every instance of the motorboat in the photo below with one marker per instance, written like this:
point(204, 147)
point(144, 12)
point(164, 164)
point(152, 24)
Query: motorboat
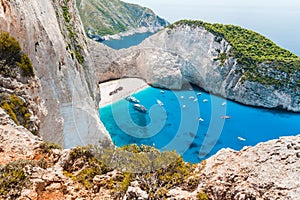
point(162, 92)
point(140, 107)
point(200, 119)
point(225, 117)
point(159, 102)
point(224, 103)
point(205, 100)
point(240, 138)
point(132, 99)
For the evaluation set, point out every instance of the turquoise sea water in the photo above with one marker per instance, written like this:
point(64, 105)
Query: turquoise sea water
point(176, 125)
point(194, 128)
point(127, 41)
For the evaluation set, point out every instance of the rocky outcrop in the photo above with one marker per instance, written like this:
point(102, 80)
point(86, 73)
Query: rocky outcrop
point(269, 170)
point(266, 171)
point(17, 143)
point(53, 38)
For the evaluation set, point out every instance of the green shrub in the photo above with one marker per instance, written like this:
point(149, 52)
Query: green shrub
point(12, 57)
point(202, 196)
point(10, 49)
point(46, 147)
point(16, 109)
point(26, 66)
point(13, 179)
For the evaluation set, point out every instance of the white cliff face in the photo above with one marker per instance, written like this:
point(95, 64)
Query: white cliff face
point(69, 89)
point(188, 54)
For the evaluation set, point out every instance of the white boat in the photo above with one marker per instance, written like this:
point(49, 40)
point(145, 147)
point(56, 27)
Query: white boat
point(181, 97)
point(162, 92)
point(132, 99)
point(191, 97)
point(183, 106)
point(205, 100)
point(140, 107)
point(224, 103)
point(199, 93)
point(240, 138)
point(195, 99)
point(200, 119)
point(159, 102)
point(225, 117)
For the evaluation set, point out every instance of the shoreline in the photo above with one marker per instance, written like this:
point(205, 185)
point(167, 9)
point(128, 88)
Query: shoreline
point(116, 90)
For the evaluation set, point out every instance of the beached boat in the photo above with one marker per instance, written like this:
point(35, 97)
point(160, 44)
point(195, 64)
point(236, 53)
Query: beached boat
point(159, 102)
point(140, 107)
point(132, 99)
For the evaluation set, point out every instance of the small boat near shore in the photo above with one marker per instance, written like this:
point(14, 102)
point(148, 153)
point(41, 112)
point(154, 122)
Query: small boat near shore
point(140, 107)
point(132, 99)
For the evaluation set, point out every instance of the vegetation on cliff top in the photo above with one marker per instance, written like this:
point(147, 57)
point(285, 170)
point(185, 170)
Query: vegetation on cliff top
point(108, 17)
point(261, 59)
point(156, 172)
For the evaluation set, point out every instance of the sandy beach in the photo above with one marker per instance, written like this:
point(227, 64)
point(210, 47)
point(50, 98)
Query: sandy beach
point(115, 90)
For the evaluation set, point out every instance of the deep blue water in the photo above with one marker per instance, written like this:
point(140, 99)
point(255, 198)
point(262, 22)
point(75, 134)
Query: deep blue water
point(127, 41)
point(173, 127)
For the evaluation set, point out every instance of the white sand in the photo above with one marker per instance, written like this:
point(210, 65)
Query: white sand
point(130, 86)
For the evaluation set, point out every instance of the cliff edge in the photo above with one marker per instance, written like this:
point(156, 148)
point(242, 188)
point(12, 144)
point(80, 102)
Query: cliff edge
point(51, 33)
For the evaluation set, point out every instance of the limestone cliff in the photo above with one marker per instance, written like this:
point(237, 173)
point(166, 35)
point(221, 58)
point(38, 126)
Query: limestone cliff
point(50, 32)
point(186, 53)
point(267, 171)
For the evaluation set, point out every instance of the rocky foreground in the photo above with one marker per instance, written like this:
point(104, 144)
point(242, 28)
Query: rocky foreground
point(267, 171)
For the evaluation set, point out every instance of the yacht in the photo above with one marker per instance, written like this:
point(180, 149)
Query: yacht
point(159, 102)
point(240, 138)
point(140, 107)
point(225, 117)
point(132, 99)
